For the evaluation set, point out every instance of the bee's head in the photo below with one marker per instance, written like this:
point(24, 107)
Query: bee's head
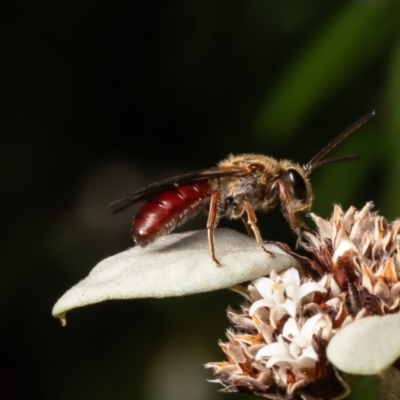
point(295, 187)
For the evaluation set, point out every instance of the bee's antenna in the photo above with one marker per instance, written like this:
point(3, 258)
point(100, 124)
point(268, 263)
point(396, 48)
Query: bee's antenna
point(316, 162)
point(335, 160)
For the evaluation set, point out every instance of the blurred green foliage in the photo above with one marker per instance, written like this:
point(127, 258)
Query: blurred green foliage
point(104, 97)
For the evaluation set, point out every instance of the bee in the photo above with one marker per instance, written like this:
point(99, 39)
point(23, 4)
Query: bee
point(237, 188)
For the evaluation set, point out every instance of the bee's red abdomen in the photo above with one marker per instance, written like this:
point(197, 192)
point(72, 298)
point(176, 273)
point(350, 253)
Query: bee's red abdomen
point(167, 210)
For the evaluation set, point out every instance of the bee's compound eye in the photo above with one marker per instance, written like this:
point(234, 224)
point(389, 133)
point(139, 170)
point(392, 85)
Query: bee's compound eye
point(298, 185)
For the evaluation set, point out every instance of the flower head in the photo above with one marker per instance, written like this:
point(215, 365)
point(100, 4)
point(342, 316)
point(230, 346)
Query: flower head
point(281, 343)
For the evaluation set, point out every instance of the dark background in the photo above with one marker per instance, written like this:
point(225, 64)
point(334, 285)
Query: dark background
point(102, 97)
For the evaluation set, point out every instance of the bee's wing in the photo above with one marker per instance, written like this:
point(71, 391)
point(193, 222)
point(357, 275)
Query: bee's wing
point(203, 175)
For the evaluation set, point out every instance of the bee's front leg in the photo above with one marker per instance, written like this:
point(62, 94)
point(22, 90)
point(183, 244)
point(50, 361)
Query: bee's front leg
point(212, 222)
point(252, 222)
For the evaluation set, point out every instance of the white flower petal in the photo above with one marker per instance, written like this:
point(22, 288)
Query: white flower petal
point(279, 359)
point(308, 329)
point(291, 291)
point(309, 352)
point(290, 329)
point(175, 265)
point(366, 346)
point(264, 286)
point(307, 288)
point(295, 350)
point(291, 280)
point(277, 313)
point(290, 306)
point(324, 327)
point(278, 294)
point(274, 349)
point(260, 303)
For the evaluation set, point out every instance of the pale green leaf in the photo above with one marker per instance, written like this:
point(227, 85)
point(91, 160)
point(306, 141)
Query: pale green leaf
point(367, 346)
point(175, 265)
